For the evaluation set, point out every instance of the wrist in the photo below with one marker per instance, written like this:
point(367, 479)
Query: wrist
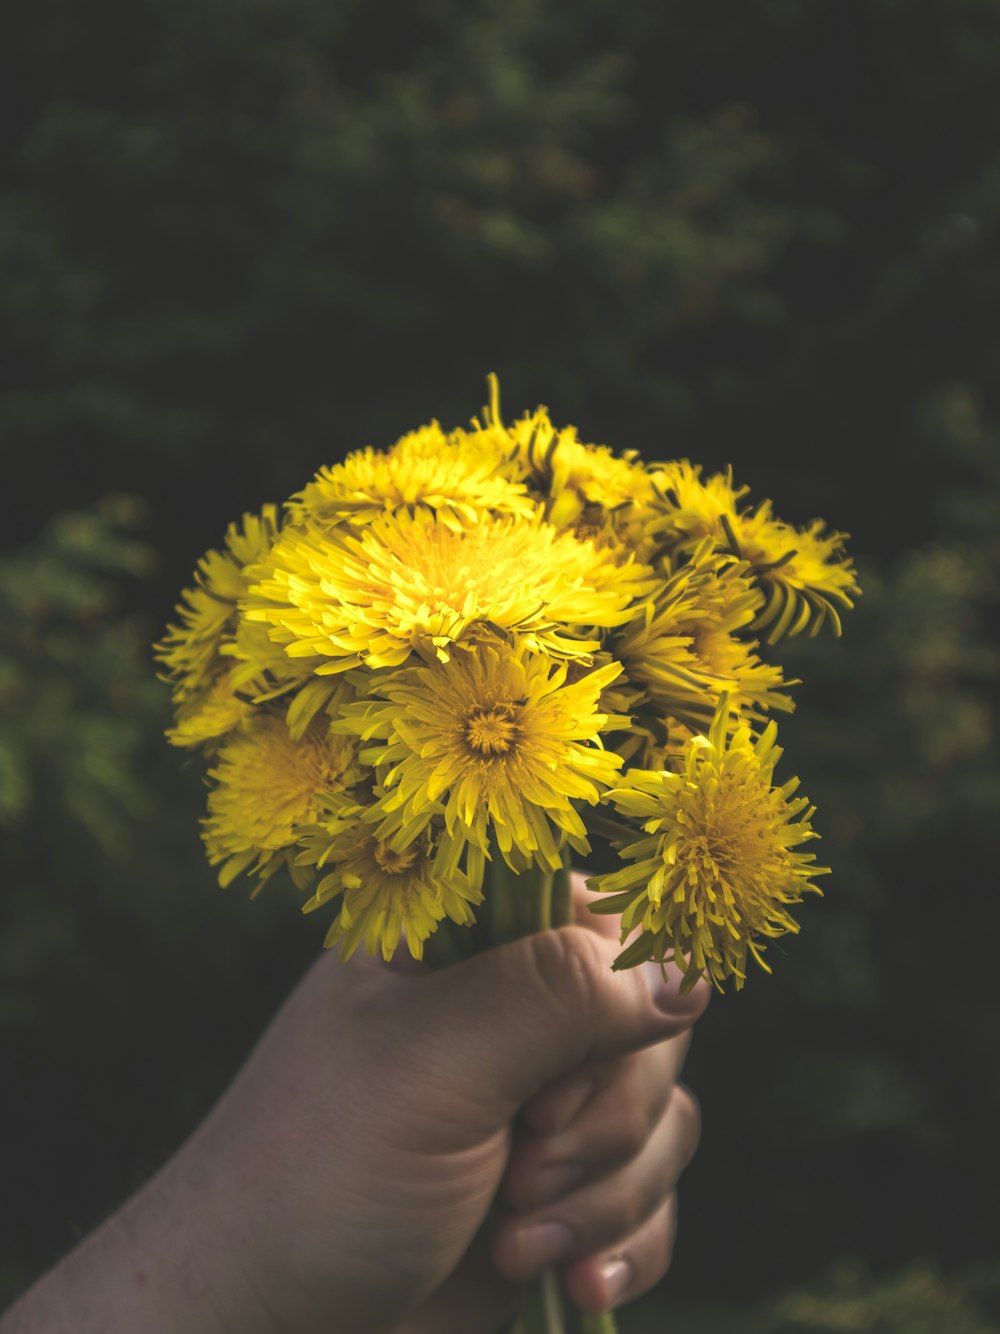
point(153, 1265)
point(190, 1228)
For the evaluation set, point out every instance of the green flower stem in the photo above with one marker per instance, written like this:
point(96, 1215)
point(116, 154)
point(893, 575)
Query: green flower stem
point(445, 946)
point(533, 890)
point(562, 899)
point(579, 1323)
point(604, 1323)
point(517, 904)
point(543, 1310)
point(605, 826)
point(501, 901)
point(545, 901)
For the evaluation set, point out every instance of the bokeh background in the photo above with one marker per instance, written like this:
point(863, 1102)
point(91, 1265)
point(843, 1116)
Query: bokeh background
point(240, 237)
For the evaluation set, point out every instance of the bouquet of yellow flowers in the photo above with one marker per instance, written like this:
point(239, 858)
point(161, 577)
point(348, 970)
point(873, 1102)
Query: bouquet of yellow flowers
point(429, 678)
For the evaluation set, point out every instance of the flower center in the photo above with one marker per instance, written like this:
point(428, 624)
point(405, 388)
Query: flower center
point(734, 845)
point(492, 731)
point(392, 862)
point(717, 853)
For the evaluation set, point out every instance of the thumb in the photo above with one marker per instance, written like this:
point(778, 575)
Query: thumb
point(516, 1018)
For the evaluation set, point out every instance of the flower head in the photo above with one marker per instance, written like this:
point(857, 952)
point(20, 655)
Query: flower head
point(207, 613)
point(693, 507)
point(418, 585)
point(384, 893)
point(205, 719)
point(574, 475)
point(719, 865)
point(685, 648)
point(803, 572)
point(260, 667)
point(601, 495)
point(266, 788)
point(454, 476)
point(494, 744)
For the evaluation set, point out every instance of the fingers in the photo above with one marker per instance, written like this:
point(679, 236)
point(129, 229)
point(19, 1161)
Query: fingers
point(562, 1006)
point(558, 1104)
point(604, 1213)
point(609, 1129)
point(634, 1265)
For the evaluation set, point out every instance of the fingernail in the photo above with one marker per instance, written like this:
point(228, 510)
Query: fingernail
point(565, 1106)
point(552, 1183)
point(617, 1275)
point(542, 1244)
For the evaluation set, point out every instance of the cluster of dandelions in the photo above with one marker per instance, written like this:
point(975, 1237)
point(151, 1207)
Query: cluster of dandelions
point(474, 646)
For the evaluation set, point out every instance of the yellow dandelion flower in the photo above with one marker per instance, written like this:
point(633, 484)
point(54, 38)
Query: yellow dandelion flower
point(260, 667)
point(190, 648)
point(457, 477)
point(575, 476)
point(206, 718)
point(644, 741)
point(324, 694)
point(385, 894)
point(266, 786)
point(654, 740)
point(803, 571)
point(496, 742)
point(693, 508)
point(407, 585)
point(719, 865)
point(603, 496)
point(686, 650)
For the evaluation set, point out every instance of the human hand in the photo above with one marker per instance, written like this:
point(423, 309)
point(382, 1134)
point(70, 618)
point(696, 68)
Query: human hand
point(360, 1149)
point(342, 1182)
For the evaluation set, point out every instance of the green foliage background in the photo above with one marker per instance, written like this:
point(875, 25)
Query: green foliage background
point(237, 240)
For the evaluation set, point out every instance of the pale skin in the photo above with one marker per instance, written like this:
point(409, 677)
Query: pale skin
point(342, 1184)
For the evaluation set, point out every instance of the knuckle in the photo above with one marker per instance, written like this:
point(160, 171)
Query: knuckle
point(564, 967)
point(609, 1218)
point(582, 954)
point(551, 970)
point(627, 1133)
point(667, 1230)
point(689, 1110)
point(570, 965)
point(622, 1214)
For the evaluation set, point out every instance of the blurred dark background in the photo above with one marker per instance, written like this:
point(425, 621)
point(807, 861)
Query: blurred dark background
point(239, 239)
